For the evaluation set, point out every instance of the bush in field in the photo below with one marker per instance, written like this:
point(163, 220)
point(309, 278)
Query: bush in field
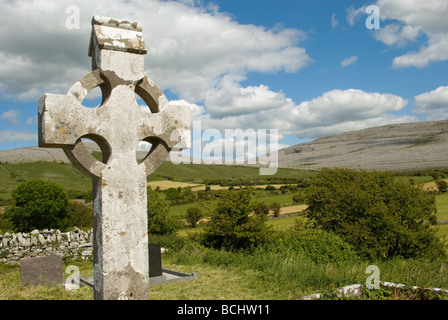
point(298, 198)
point(275, 207)
point(193, 216)
point(317, 245)
point(377, 215)
point(172, 194)
point(261, 208)
point(231, 226)
point(159, 222)
point(39, 204)
point(442, 185)
point(78, 215)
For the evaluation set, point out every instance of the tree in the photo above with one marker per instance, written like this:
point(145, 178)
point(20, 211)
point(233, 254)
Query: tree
point(261, 208)
point(298, 198)
point(275, 207)
point(39, 204)
point(159, 221)
point(442, 185)
point(231, 226)
point(78, 215)
point(376, 214)
point(193, 215)
point(172, 194)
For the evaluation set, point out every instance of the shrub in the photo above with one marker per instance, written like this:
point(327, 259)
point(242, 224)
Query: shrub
point(275, 207)
point(298, 198)
point(261, 208)
point(317, 245)
point(39, 204)
point(378, 215)
point(78, 215)
point(442, 185)
point(158, 220)
point(193, 216)
point(172, 194)
point(231, 226)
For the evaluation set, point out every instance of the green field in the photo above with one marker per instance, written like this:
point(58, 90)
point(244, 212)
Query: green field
point(11, 175)
point(227, 275)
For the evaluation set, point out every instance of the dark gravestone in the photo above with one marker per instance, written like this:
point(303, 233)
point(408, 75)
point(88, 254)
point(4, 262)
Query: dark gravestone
point(155, 260)
point(41, 270)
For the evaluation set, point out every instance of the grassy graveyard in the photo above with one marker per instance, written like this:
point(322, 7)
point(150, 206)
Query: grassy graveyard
point(259, 273)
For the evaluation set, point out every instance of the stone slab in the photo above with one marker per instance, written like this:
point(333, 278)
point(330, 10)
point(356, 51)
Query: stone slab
point(41, 270)
point(155, 260)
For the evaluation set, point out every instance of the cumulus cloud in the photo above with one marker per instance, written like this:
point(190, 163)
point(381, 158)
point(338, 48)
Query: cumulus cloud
point(338, 111)
point(353, 15)
point(12, 135)
point(434, 103)
point(333, 112)
point(190, 46)
point(10, 116)
point(395, 34)
point(410, 19)
point(348, 61)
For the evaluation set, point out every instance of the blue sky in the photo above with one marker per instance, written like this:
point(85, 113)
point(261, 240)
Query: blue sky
point(307, 68)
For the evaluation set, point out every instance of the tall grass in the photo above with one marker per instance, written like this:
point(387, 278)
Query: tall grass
point(290, 274)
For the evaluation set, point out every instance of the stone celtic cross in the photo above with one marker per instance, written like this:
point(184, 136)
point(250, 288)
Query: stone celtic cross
point(121, 266)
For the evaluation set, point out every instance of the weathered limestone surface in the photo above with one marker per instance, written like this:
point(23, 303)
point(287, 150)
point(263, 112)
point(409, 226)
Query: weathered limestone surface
point(117, 126)
point(41, 270)
point(408, 146)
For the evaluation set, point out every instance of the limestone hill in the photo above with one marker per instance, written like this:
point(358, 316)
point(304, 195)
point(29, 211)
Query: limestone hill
point(408, 146)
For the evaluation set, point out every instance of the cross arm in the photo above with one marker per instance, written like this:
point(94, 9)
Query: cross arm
point(62, 120)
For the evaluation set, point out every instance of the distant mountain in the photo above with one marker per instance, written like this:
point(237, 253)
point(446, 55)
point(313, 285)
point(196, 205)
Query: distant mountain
point(32, 154)
point(408, 146)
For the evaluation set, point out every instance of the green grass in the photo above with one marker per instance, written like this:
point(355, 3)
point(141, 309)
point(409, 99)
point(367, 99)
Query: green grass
point(237, 276)
point(268, 275)
point(197, 173)
point(64, 174)
point(11, 287)
point(417, 179)
point(268, 197)
point(442, 206)
point(284, 224)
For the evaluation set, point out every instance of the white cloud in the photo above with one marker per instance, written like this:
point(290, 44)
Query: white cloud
point(190, 46)
point(334, 21)
point(10, 116)
point(434, 103)
point(31, 120)
point(353, 15)
point(11, 135)
point(410, 19)
point(395, 34)
point(232, 99)
point(348, 61)
point(344, 110)
point(333, 112)
point(436, 50)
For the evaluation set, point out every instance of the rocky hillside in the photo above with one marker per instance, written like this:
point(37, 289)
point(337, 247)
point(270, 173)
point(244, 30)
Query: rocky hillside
point(409, 146)
point(31, 154)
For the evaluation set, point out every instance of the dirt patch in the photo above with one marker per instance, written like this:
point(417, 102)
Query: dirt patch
point(293, 209)
point(166, 184)
point(431, 186)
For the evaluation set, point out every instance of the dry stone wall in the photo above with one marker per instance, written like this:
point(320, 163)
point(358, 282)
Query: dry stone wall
point(74, 244)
